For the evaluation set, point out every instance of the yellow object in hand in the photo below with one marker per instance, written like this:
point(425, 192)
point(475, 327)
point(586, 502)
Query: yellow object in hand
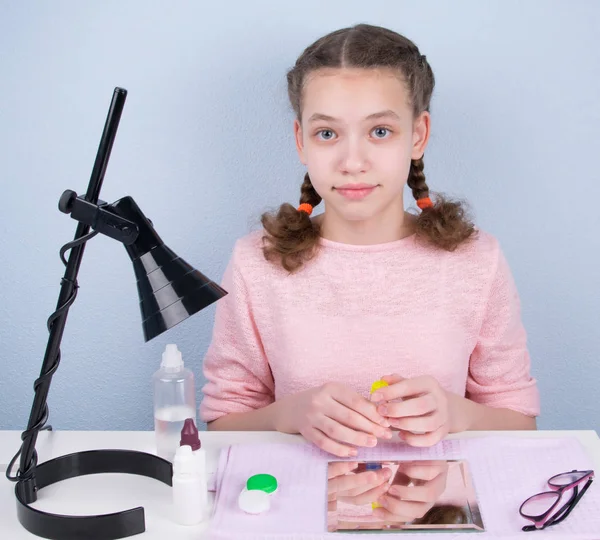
point(375, 505)
point(377, 385)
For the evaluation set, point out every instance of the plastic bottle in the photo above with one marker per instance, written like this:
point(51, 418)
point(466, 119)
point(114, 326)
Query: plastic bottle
point(189, 437)
point(188, 495)
point(174, 401)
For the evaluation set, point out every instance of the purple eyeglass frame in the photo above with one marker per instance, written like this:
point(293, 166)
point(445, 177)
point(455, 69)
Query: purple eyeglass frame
point(552, 516)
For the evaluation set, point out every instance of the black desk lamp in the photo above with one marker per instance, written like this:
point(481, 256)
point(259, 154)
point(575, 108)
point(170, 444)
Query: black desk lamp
point(170, 290)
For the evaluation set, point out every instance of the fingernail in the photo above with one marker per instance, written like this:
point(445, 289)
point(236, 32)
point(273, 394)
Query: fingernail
point(353, 452)
point(394, 491)
point(388, 434)
point(371, 441)
point(384, 422)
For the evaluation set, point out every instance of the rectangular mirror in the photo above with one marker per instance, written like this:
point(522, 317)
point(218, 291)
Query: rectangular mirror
point(434, 495)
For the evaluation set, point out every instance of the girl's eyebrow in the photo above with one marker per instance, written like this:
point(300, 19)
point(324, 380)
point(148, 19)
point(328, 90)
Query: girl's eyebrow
point(382, 114)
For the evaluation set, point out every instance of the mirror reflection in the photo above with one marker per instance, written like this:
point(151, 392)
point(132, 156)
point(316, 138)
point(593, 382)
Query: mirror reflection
point(394, 495)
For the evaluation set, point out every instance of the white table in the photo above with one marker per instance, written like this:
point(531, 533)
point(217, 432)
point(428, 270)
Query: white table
point(97, 494)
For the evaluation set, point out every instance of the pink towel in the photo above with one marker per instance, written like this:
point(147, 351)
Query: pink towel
point(505, 472)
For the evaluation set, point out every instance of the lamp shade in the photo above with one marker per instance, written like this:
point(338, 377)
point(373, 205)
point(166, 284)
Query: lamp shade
point(170, 289)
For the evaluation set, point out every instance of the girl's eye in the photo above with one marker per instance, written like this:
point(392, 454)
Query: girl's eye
point(326, 134)
point(381, 132)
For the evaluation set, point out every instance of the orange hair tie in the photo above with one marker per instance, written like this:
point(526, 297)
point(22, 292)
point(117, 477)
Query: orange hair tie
point(305, 207)
point(425, 202)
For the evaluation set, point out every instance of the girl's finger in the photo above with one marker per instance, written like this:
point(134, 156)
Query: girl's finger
point(422, 471)
point(392, 379)
point(423, 424)
point(428, 492)
point(406, 388)
point(334, 430)
point(366, 497)
point(350, 482)
point(357, 403)
point(410, 509)
point(423, 440)
point(354, 420)
point(327, 444)
point(419, 406)
point(371, 480)
point(338, 468)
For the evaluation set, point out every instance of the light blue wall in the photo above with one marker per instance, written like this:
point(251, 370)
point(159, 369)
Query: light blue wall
point(205, 145)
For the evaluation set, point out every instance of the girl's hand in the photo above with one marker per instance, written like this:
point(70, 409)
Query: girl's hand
point(422, 415)
point(416, 488)
point(346, 484)
point(333, 417)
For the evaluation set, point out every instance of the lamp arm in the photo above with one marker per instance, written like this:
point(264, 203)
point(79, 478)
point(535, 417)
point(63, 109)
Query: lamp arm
point(25, 477)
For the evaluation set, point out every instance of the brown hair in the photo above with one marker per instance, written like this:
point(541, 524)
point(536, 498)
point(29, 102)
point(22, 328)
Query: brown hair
point(291, 237)
point(444, 514)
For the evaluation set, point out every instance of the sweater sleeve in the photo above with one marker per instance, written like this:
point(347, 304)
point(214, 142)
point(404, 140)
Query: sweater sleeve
point(499, 368)
point(237, 373)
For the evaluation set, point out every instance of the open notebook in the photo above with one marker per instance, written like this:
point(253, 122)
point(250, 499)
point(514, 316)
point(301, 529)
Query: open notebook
point(505, 472)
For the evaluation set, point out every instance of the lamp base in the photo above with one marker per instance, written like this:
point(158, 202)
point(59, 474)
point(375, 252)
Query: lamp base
point(99, 527)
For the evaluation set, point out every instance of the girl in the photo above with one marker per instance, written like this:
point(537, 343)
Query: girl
point(320, 307)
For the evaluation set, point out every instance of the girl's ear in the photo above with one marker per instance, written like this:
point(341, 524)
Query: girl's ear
point(298, 136)
point(421, 131)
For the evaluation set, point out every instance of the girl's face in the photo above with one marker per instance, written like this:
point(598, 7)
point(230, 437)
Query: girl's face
point(357, 138)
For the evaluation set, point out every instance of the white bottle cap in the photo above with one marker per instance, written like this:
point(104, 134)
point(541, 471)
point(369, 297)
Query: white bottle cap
point(185, 461)
point(254, 501)
point(172, 359)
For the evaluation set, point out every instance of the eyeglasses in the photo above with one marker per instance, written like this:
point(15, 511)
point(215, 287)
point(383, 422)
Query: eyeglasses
point(548, 508)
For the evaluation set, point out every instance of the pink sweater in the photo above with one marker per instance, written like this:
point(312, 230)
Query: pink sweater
point(356, 313)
